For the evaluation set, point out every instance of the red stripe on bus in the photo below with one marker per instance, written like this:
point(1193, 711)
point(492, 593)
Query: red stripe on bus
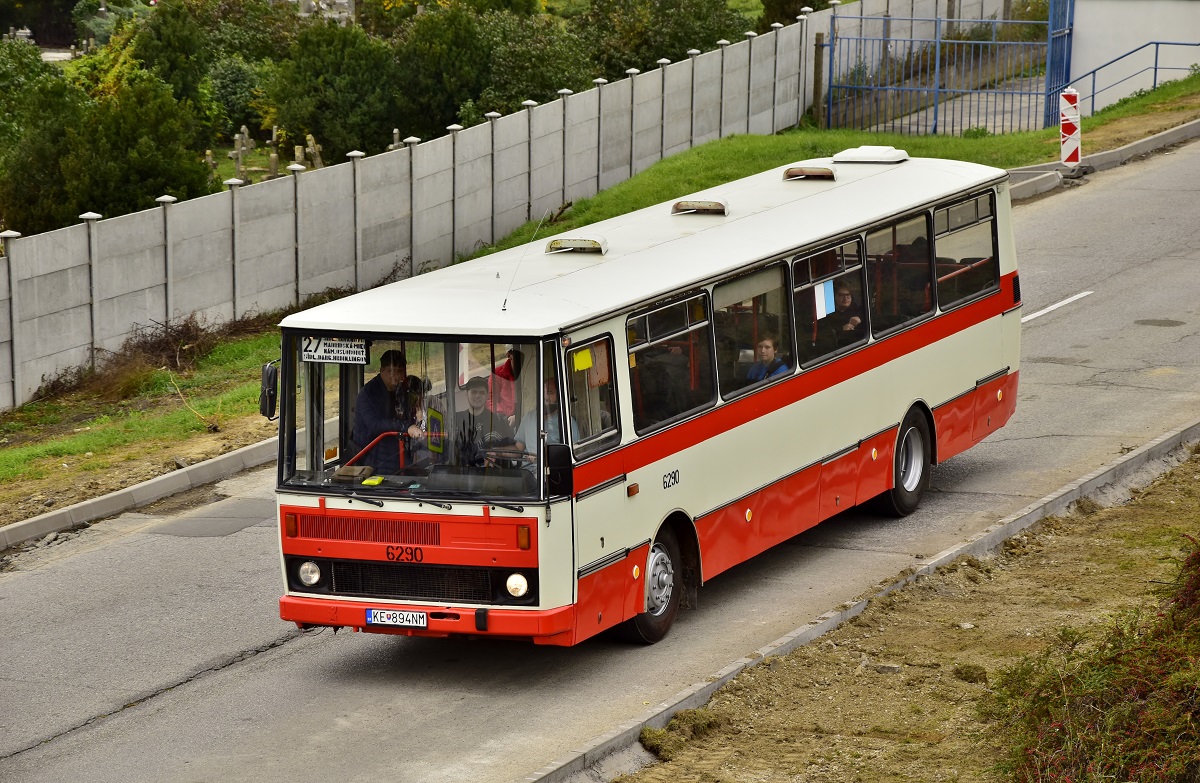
point(729, 416)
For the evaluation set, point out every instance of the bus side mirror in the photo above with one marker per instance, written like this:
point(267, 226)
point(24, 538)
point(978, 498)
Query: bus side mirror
point(268, 393)
point(558, 464)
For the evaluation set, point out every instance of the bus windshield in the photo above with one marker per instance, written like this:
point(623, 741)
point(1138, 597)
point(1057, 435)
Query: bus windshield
point(417, 417)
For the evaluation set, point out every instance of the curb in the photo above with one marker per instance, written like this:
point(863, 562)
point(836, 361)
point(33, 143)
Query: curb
point(987, 541)
point(1029, 181)
point(139, 495)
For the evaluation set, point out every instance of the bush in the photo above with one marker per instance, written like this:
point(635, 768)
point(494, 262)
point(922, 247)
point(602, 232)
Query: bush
point(1122, 708)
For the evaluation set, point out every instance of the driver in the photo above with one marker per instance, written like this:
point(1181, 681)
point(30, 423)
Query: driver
point(479, 428)
point(385, 404)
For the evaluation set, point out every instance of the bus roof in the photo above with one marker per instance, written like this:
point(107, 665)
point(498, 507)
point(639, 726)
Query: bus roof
point(527, 291)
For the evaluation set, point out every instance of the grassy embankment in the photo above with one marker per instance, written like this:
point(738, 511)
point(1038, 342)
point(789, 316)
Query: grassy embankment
point(157, 398)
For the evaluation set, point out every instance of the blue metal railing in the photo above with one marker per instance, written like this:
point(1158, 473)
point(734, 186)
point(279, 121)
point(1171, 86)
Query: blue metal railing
point(1155, 68)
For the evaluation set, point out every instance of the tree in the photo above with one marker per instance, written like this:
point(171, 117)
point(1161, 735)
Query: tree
point(442, 58)
point(173, 45)
point(337, 84)
point(624, 34)
point(21, 71)
point(34, 195)
point(132, 149)
point(528, 58)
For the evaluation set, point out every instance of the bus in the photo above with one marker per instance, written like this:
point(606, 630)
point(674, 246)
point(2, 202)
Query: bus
point(576, 434)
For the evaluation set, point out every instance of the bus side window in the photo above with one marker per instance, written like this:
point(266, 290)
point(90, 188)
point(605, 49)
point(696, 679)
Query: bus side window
point(592, 400)
point(753, 330)
point(831, 313)
point(966, 249)
point(899, 273)
point(671, 367)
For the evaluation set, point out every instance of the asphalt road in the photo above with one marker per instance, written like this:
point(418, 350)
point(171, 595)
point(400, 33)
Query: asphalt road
point(149, 648)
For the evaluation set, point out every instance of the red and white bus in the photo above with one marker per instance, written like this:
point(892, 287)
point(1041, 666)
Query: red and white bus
point(584, 430)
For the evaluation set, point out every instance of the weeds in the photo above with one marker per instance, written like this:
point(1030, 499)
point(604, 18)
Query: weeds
point(1122, 707)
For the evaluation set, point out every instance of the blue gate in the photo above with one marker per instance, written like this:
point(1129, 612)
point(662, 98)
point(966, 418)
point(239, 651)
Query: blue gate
point(933, 75)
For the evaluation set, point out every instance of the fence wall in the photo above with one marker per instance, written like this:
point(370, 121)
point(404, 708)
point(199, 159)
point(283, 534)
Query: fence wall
point(68, 294)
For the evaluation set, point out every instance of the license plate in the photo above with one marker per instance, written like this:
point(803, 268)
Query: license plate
point(397, 618)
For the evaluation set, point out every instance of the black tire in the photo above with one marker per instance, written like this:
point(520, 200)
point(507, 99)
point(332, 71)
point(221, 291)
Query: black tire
point(912, 458)
point(664, 589)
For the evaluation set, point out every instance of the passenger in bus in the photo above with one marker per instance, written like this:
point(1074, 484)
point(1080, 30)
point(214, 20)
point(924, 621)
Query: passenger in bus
point(527, 432)
point(479, 428)
point(769, 363)
point(388, 403)
point(848, 315)
point(502, 386)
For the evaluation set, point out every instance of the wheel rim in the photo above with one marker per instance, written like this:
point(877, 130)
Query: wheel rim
point(912, 459)
point(660, 578)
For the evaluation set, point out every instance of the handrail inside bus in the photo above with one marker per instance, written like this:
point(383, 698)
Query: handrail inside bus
point(371, 445)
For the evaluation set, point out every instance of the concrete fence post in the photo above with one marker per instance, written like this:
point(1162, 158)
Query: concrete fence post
point(663, 62)
point(692, 53)
point(599, 128)
point(235, 241)
point(296, 168)
point(93, 241)
point(818, 78)
point(454, 129)
point(775, 28)
point(632, 74)
point(721, 95)
point(802, 92)
point(563, 94)
point(6, 241)
point(492, 116)
point(529, 104)
point(750, 36)
point(411, 142)
point(168, 259)
point(355, 156)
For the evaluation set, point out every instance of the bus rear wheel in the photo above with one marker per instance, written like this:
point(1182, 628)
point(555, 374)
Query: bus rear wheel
point(664, 588)
point(914, 453)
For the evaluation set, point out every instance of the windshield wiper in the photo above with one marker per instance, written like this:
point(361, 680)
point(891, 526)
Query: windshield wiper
point(352, 495)
point(413, 493)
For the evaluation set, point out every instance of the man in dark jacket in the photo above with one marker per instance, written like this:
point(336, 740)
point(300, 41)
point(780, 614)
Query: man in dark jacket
point(385, 404)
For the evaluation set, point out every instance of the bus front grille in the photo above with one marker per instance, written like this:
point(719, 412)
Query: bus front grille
point(412, 582)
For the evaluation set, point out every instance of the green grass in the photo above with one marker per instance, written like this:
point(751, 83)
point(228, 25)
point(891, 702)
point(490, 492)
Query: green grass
point(740, 156)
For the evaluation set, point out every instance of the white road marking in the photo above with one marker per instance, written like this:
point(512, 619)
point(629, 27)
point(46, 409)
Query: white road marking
point(1045, 310)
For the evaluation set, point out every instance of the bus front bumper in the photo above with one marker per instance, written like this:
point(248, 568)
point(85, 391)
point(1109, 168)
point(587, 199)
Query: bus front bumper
point(541, 626)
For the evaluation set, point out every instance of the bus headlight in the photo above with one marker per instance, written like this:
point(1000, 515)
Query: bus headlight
point(517, 585)
point(309, 573)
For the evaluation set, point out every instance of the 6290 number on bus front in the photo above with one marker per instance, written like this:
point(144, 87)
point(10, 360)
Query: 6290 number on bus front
point(670, 479)
point(405, 554)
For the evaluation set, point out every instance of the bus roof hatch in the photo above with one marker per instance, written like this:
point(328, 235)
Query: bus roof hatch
point(871, 154)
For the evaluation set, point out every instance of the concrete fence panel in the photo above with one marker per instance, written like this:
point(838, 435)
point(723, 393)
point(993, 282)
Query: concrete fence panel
point(677, 107)
point(473, 187)
point(385, 217)
point(582, 131)
point(511, 142)
point(200, 233)
point(128, 276)
point(7, 397)
point(265, 265)
point(53, 329)
point(706, 124)
point(327, 247)
point(761, 98)
point(787, 67)
point(735, 85)
point(647, 120)
point(615, 128)
point(546, 124)
point(433, 182)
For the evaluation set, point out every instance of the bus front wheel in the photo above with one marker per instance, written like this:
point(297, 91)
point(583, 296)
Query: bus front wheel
point(914, 452)
point(664, 587)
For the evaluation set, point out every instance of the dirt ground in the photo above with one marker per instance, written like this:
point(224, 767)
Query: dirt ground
point(894, 694)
